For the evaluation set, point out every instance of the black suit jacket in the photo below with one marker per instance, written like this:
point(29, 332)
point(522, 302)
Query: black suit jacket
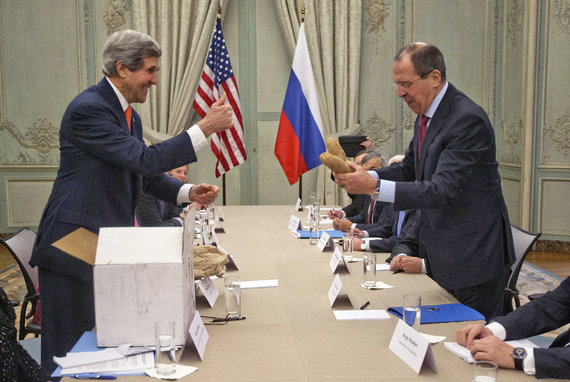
point(103, 170)
point(464, 228)
point(153, 212)
point(354, 208)
point(546, 313)
point(380, 214)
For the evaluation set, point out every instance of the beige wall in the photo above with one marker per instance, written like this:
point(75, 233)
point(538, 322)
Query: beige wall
point(510, 56)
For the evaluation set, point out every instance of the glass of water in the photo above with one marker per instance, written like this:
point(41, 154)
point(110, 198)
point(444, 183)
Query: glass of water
point(165, 348)
point(412, 309)
point(232, 294)
point(484, 371)
point(369, 263)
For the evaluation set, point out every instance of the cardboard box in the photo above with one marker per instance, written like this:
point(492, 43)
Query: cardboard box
point(141, 275)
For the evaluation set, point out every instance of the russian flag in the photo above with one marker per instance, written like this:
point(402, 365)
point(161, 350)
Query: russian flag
point(300, 138)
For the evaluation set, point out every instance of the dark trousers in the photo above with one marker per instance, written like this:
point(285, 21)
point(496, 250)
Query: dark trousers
point(67, 312)
point(487, 298)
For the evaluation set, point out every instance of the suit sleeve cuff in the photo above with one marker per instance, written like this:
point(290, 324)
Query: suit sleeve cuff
point(197, 137)
point(183, 193)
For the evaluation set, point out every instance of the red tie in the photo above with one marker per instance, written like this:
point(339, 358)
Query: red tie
point(128, 113)
point(422, 132)
point(370, 210)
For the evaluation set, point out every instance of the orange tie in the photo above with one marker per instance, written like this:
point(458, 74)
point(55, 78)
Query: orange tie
point(128, 113)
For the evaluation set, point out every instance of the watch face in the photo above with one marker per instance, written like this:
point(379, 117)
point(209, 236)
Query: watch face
point(519, 353)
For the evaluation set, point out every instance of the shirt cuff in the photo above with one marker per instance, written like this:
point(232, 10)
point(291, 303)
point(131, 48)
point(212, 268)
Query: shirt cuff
point(497, 329)
point(343, 214)
point(179, 220)
point(183, 192)
point(387, 191)
point(197, 137)
point(528, 363)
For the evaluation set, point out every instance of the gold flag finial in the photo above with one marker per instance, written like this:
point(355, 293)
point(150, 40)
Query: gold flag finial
point(303, 12)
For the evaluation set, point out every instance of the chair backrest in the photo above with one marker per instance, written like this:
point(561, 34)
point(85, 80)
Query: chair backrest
point(523, 242)
point(20, 245)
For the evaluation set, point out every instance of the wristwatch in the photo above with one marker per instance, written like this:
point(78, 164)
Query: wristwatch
point(376, 191)
point(519, 354)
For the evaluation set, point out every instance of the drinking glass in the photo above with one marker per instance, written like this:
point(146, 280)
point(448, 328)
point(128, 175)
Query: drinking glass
point(347, 245)
point(369, 262)
point(165, 348)
point(484, 371)
point(412, 309)
point(232, 295)
point(314, 223)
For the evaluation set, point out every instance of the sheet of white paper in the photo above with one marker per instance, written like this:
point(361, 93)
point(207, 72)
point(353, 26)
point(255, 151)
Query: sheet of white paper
point(433, 339)
point(379, 285)
point(326, 221)
point(382, 267)
point(181, 371)
point(259, 284)
point(87, 358)
point(131, 364)
point(465, 354)
point(371, 314)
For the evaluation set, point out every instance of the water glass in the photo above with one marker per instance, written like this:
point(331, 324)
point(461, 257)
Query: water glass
point(165, 348)
point(369, 262)
point(314, 225)
point(411, 311)
point(232, 295)
point(347, 245)
point(484, 371)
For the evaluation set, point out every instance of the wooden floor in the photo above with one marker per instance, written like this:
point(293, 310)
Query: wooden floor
point(556, 263)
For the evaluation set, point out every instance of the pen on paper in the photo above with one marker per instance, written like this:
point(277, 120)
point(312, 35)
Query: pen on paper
point(93, 376)
point(365, 305)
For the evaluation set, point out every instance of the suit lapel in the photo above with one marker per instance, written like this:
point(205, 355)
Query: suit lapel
point(109, 95)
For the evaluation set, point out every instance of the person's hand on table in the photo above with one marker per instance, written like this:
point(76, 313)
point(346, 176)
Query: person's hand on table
point(495, 350)
point(335, 214)
point(411, 264)
point(204, 193)
point(357, 232)
point(356, 243)
point(395, 264)
point(468, 334)
point(342, 224)
point(357, 182)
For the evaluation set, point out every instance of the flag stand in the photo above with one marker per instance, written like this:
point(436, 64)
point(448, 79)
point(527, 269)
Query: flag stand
point(301, 187)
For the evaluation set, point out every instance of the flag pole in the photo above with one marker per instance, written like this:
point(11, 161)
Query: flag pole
point(224, 174)
point(301, 177)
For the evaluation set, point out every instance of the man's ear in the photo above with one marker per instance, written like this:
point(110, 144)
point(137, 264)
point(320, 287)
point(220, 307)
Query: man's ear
point(121, 69)
point(435, 77)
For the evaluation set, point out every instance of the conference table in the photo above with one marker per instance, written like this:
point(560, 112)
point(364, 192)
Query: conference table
point(290, 332)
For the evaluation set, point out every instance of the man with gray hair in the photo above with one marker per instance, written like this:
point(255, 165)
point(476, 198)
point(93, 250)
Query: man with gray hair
point(104, 168)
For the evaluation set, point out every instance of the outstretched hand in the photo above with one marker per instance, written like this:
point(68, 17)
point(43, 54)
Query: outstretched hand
point(204, 193)
point(358, 181)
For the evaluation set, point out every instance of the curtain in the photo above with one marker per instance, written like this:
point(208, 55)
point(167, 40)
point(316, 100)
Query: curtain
point(333, 31)
point(183, 28)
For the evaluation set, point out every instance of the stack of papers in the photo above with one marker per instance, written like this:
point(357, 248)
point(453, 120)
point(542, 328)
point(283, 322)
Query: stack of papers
point(86, 358)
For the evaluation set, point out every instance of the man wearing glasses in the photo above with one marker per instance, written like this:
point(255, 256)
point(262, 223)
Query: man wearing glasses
point(450, 175)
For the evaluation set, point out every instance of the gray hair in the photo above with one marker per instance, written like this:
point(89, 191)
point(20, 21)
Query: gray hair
point(374, 154)
point(130, 47)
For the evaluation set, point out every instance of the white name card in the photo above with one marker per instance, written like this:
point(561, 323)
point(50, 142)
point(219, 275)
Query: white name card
point(231, 262)
point(221, 214)
point(325, 242)
point(335, 259)
point(209, 289)
point(412, 347)
point(199, 334)
point(294, 223)
point(335, 289)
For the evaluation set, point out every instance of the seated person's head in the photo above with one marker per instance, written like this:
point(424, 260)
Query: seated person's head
point(180, 173)
point(372, 161)
point(361, 154)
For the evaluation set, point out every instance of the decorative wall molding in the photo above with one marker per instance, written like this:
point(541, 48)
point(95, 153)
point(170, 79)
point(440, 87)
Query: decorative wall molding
point(42, 136)
point(115, 14)
point(511, 135)
point(562, 15)
point(377, 11)
point(559, 134)
point(378, 130)
point(515, 20)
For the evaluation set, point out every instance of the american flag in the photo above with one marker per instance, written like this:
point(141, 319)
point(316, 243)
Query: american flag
point(218, 77)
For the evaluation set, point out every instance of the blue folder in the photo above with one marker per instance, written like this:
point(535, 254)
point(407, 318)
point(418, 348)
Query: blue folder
point(433, 314)
point(335, 234)
point(87, 342)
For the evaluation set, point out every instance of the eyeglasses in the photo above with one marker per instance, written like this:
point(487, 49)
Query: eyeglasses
point(406, 85)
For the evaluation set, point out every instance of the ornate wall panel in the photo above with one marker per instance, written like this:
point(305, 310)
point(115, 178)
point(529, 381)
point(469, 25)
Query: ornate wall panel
point(554, 206)
point(26, 198)
point(512, 194)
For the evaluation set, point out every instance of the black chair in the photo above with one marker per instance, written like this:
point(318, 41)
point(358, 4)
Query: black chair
point(20, 245)
point(523, 242)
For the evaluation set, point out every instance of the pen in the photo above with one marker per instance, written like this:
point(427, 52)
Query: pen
point(93, 376)
point(365, 305)
point(228, 319)
point(398, 271)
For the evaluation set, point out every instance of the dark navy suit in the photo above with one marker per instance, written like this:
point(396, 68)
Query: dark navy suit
point(103, 170)
point(546, 313)
point(464, 229)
